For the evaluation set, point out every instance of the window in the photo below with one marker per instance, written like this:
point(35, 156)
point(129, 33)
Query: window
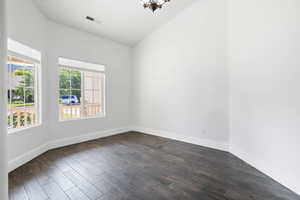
point(22, 94)
point(81, 90)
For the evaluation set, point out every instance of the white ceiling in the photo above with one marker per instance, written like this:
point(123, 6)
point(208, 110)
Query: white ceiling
point(125, 21)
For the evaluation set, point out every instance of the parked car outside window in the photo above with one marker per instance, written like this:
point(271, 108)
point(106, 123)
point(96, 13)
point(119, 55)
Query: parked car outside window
point(69, 99)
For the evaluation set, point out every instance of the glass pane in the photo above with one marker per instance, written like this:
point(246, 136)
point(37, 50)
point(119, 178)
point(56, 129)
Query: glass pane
point(9, 74)
point(97, 97)
point(98, 77)
point(29, 97)
point(88, 96)
point(88, 81)
point(93, 89)
point(29, 77)
point(9, 97)
point(17, 97)
point(30, 114)
point(75, 97)
point(17, 76)
point(9, 117)
point(75, 79)
point(21, 97)
point(97, 102)
point(22, 118)
point(69, 107)
point(64, 97)
point(64, 78)
point(92, 80)
point(92, 103)
point(64, 101)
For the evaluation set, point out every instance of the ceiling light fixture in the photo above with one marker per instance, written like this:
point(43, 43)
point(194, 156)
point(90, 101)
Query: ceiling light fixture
point(154, 4)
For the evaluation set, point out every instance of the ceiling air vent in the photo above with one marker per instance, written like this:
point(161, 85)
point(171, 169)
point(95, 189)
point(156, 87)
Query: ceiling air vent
point(90, 18)
point(93, 19)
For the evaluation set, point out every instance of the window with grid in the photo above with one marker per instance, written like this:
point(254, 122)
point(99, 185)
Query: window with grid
point(22, 94)
point(81, 90)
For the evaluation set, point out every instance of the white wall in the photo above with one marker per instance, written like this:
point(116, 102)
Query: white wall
point(264, 97)
point(3, 132)
point(180, 84)
point(31, 28)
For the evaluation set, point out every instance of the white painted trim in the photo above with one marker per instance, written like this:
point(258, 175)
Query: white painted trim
point(80, 64)
point(260, 165)
point(180, 137)
point(26, 157)
point(87, 137)
point(22, 49)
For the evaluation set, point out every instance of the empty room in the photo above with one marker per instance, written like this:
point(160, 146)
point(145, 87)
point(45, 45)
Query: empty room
point(150, 100)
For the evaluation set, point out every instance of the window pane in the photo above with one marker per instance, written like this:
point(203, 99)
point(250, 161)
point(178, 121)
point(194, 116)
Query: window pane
point(17, 97)
point(97, 96)
point(92, 91)
point(88, 96)
point(64, 101)
point(69, 107)
point(92, 80)
point(88, 81)
point(75, 96)
point(17, 79)
point(64, 97)
point(29, 76)
point(9, 66)
point(29, 97)
point(97, 102)
point(75, 79)
point(22, 109)
point(92, 103)
point(64, 78)
point(98, 81)
point(84, 96)
point(30, 111)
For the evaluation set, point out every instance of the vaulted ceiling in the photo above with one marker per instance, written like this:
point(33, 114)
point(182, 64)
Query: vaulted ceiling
point(125, 21)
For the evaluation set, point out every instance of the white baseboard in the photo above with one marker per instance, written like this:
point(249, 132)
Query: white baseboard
point(175, 136)
point(87, 137)
point(261, 165)
point(28, 156)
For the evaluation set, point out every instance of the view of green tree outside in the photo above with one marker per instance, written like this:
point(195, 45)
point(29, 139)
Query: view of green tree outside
point(24, 90)
point(69, 84)
point(21, 93)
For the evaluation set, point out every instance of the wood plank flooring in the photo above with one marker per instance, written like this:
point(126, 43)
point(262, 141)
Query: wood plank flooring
point(135, 166)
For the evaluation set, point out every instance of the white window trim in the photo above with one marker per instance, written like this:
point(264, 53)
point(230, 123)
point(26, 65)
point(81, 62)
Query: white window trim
point(84, 66)
point(16, 49)
point(80, 65)
point(20, 48)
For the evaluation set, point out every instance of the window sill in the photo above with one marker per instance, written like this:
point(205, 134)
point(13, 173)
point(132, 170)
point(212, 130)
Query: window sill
point(13, 131)
point(83, 118)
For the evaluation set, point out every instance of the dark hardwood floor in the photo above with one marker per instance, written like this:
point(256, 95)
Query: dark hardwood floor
point(136, 166)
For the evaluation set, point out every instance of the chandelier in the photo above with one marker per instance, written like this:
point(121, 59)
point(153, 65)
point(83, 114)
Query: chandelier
point(154, 4)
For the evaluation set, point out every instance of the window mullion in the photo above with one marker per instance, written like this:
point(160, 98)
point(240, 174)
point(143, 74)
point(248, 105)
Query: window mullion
point(24, 99)
point(36, 90)
point(83, 106)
